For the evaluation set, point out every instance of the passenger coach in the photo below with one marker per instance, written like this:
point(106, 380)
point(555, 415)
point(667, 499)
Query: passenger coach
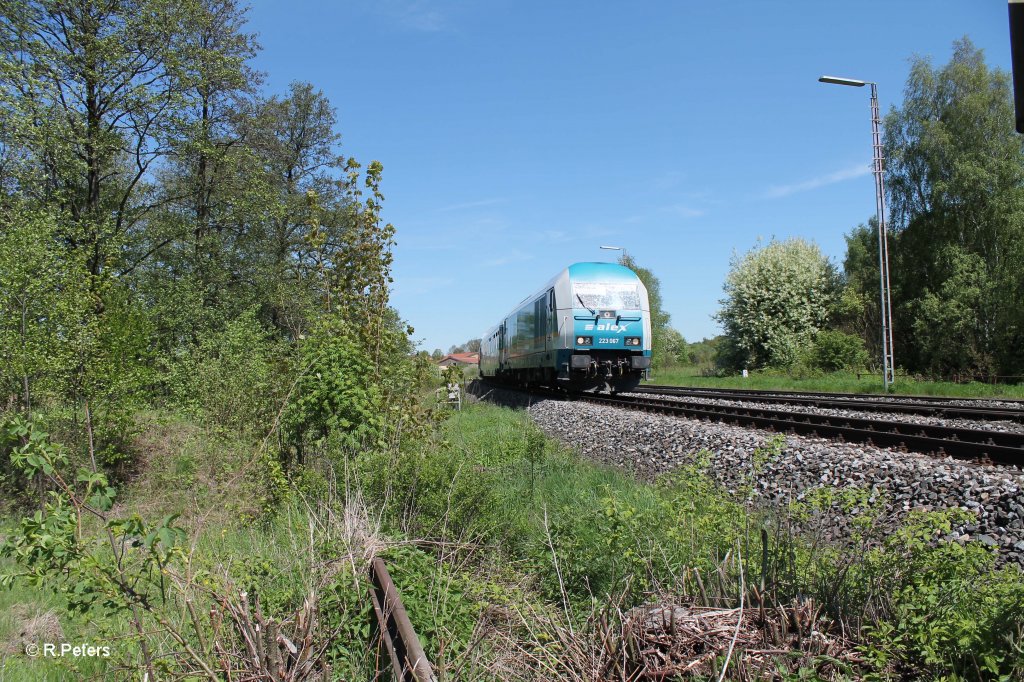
point(589, 328)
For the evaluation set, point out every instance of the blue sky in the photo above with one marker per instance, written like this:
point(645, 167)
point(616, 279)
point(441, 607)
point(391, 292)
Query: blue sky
point(518, 137)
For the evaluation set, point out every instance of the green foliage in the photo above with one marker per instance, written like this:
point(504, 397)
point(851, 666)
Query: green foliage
point(856, 311)
point(836, 382)
point(451, 375)
point(946, 321)
point(947, 610)
point(349, 615)
point(234, 378)
point(777, 299)
point(956, 186)
point(834, 350)
point(674, 347)
point(929, 607)
point(667, 344)
point(436, 599)
point(471, 346)
point(110, 566)
point(40, 293)
point(335, 396)
point(169, 228)
point(68, 335)
point(702, 353)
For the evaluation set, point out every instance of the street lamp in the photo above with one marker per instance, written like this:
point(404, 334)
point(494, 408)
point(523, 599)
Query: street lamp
point(888, 363)
point(611, 248)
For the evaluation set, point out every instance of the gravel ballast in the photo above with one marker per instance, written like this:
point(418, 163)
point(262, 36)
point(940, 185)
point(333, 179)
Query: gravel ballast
point(650, 444)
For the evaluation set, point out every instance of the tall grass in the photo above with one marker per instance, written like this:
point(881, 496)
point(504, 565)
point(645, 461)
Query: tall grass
point(519, 560)
point(512, 509)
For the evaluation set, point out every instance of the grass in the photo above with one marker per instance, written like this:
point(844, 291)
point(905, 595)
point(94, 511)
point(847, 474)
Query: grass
point(278, 559)
point(836, 382)
point(518, 559)
point(583, 536)
point(37, 616)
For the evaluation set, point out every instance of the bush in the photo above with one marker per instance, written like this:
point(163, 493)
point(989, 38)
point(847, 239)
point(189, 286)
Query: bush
point(835, 350)
point(230, 378)
point(776, 299)
point(947, 611)
point(336, 403)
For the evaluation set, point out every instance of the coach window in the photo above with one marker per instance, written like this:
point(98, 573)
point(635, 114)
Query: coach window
point(552, 324)
point(540, 314)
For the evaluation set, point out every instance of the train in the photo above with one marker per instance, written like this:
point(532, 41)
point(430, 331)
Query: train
point(587, 329)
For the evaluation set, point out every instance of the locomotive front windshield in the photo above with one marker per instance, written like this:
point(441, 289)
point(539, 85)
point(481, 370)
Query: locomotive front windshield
point(608, 295)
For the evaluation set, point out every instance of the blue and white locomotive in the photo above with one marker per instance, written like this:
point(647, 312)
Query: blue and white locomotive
point(587, 329)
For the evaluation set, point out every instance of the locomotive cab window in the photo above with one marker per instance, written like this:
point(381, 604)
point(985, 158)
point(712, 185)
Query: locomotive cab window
point(608, 295)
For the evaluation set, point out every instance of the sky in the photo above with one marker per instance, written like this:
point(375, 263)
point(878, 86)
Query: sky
point(519, 137)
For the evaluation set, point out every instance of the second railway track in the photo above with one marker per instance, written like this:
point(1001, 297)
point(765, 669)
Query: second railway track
point(964, 443)
point(919, 405)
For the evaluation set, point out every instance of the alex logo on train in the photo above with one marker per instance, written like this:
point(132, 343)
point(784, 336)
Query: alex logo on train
point(618, 328)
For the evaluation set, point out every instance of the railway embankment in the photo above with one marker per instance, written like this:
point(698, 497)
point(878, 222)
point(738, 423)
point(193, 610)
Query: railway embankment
point(891, 482)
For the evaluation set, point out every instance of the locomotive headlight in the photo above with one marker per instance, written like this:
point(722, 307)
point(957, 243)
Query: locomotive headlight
point(632, 340)
point(584, 340)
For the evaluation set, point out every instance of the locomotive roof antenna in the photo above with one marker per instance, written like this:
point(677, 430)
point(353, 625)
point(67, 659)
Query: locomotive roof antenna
point(878, 169)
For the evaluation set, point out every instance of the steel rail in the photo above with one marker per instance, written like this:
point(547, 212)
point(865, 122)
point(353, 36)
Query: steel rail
point(959, 443)
point(395, 632)
point(878, 396)
point(933, 409)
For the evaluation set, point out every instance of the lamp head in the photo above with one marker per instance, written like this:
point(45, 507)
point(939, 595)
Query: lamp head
point(842, 81)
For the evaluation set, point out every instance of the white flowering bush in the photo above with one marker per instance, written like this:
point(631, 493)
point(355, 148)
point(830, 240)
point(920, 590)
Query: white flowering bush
point(777, 298)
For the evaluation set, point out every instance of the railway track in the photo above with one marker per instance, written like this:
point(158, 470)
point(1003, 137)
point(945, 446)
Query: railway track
point(394, 632)
point(963, 443)
point(893, 397)
point(919, 405)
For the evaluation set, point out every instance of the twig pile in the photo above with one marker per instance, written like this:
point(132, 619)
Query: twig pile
point(662, 641)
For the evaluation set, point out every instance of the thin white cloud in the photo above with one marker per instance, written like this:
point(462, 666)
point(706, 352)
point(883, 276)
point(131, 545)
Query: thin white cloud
point(658, 213)
point(416, 15)
point(556, 236)
point(684, 211)
point(472, 204)
point(779, 191)
point(513, 256)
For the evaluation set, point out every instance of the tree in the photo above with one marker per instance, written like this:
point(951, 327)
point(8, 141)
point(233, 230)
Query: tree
point(40, 295)
point(946, 323)
point(955, 178)
point(92, 95)
point(703, 352)
point(209, 182)
point(856, 310)
point(471, 346)
point(666, 343)
point(777, 299)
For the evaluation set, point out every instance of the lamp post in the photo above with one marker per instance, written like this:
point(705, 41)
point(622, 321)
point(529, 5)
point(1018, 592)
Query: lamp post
point(888, 363)
point(611, 248)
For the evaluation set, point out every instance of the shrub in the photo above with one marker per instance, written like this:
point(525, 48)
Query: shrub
point(776, 299)
point(230, 377)
point(835, 350)
point(336, 401)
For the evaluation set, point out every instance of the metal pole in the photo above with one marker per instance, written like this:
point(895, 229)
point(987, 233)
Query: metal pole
point(888, 360)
